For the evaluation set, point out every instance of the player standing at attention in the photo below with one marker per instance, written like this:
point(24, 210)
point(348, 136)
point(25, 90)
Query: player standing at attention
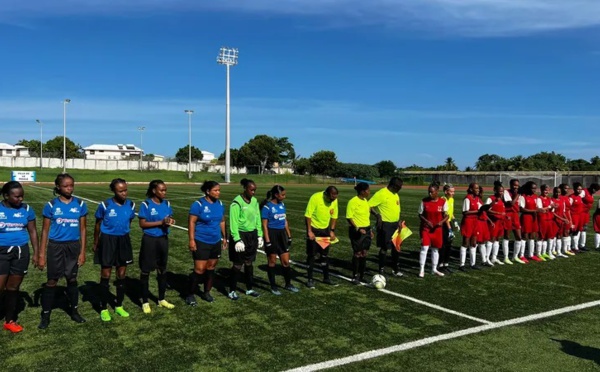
point(545, 216)
point(155, 215)
point(16, 230)
point(278, 237)
point(321, 217)
point(497, 214)
point(529, 221)
point(597, 226)
point(577, 218)
point(485, 225)
point(385, 205)
point(447, 232)
point(246, 237)
point(561, 223)
point(207, 237)
point(511, 199)
point(433, 213)
point(112, 245)
point(64, 235)
point(359, 230)
point(564, 196)
point(587, 197)
point(469, 226)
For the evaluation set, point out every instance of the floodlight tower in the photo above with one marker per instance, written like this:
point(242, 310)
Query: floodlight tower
point(141, 129)
point(41, 141)
point(65, 102)
point(190, 113)
point(228, 57)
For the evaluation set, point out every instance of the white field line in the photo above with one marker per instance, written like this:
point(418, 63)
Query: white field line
point(431, 340)
point(408, 298)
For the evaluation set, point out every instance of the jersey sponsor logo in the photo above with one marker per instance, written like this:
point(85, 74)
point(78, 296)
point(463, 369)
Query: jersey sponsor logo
point(64, 221)
point(112, 213)
point(11, 226)
point(153, 212)
point(279, 216)
point(3, 216)
point(58, 212)
point(74, 210)
point(18, 215)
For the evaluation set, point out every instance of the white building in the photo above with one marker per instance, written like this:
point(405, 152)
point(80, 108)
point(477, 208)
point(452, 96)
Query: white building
point(13, 151)
point(207, 157)
point(111, 152)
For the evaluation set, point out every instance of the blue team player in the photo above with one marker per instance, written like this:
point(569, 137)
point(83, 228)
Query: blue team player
point(63, 234)
point(155, 217)
point(17, 228)
point(112, 245)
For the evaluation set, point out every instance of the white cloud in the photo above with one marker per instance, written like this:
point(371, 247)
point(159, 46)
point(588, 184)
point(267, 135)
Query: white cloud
point(449, 17)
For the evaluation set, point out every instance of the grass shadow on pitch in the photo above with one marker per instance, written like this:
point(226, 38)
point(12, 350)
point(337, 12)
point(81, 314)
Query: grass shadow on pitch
point(60, 298)
point(579, 351)
point(279, 279)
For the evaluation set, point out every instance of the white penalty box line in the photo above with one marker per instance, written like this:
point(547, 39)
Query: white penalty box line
point(391, 293)
point(435, 339)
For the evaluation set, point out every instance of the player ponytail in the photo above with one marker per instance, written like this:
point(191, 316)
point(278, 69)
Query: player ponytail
point(207, 186)
point(152, 186)
point(115, 182)
point(271, 194)
point(245, 182)
point(58, 180)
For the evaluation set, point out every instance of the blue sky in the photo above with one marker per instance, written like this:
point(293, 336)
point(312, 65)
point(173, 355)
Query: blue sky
point(413, 81)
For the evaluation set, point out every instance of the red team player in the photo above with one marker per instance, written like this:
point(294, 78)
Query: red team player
point(469, 227)
point(513, 223)
point(497, 214)
point(529, 223)
point(597, 226)
point(546, 223)
point(484, 224)
point(564, 195)
point(433, 213)
point(561, 224)
point(587, 196)
point(577, 211)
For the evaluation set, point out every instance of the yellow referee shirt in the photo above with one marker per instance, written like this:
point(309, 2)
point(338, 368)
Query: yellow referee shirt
point(320, 212)
point(387, 204)
point(450, 203)
point(359, 211)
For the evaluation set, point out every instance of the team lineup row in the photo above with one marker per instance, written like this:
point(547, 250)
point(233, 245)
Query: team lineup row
point(61, 249)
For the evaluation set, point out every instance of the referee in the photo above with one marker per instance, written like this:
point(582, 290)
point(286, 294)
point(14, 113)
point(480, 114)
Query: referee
point(448, 232)
point(359, 230)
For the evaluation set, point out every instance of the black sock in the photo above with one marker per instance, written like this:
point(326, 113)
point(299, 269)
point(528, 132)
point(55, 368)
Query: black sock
point(311, 266)
point(326, 267)
point(161, 278)
point(10, 305)
point(287, 275)
point(382, 259)
point(235, 276)
point(48, 298)
point(120, 284)
point(271, 275)
point(145, 278)
point(362, 265)
point(249, 274)
point(208, 280)
point(354, 266)
point(104, 293)
point(194, 280)
point(395, 260)
point(73, 294)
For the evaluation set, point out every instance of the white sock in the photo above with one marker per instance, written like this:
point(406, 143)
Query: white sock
point(523, 247)
point(597, 241)
point(552, 245)
point(505, 248)
point(488, 250)
point(473, 255)
point(463, 255)
point(423, 257)
point(495, 249)
point(435, 258)
point(566, 240)
point(544, 247)
point(576, 240)
point(531, 246)
point(516, 249)
point(483, 253)
point(559, 245)
point(548, 244)
point(582, 239)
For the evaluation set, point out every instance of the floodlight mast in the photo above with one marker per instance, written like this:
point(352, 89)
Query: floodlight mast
point(41, 142)
point(141, 130)
point(228, 57)
point(190, 113)
point(65, 102)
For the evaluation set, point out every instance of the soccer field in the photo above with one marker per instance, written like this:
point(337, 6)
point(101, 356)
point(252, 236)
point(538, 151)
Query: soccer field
point(465, 321)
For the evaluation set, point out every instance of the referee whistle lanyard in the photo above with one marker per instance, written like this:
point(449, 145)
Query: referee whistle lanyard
point(15, 246)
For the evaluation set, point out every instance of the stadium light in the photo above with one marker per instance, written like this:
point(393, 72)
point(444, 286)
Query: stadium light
point(190, 113)
point(227, 57)
point(41, 141)
point(65, 102)
point(141, 129)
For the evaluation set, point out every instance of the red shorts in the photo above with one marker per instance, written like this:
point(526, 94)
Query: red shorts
point(432, 237)
point(529, 224)
point(484, 232)
point(469, 227)
point(560, 228)
point(585, 217)
point(597, 223)
point(577, 220)
point(547, 229)
point(498, 230)
point(512, 221)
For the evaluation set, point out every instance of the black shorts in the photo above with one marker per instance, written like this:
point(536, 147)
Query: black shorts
point(384, 235)
point(313, 248)
point(250, 239)
point(62, 259)
point(205, 251)
point(154, 253)
point(14, 260)
point(114, 250)
point(360, 242)
point(279, 242)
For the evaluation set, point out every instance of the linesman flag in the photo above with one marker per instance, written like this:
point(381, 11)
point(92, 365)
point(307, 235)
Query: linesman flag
point(400, 236)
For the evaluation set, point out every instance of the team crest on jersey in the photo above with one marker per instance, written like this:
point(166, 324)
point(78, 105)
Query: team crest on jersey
point(439, 209)
point(206, 209)
point(2, 216)
point(153, 212)
point(58, 212)
point(74, 210)
point(18, 215)
point(274, 210)
point(112, 213)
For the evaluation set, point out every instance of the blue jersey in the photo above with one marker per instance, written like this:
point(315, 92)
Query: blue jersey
point(208, 225)
point(274, 214)
point(152, 212)
point(116, 218)
point(64, 219)
point(13, 225)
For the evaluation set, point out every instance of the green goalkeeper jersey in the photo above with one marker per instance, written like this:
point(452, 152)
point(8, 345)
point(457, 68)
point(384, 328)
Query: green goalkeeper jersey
point(244, 216)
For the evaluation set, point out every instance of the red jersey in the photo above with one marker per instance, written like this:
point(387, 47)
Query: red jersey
point(530, 202)
point(470, 204)
point(497, 206)
point(544, 202)
point(576, 204)
point(588, 201)
point(560, 206)
point(432, 210)
point(515, 207)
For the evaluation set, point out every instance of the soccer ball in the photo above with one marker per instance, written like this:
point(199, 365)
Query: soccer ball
point(378, 281)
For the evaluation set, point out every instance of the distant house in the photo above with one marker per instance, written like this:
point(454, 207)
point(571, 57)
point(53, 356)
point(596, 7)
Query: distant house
point(13, 151)
point(207, 157)
point(158, 158)
point(111, 152)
